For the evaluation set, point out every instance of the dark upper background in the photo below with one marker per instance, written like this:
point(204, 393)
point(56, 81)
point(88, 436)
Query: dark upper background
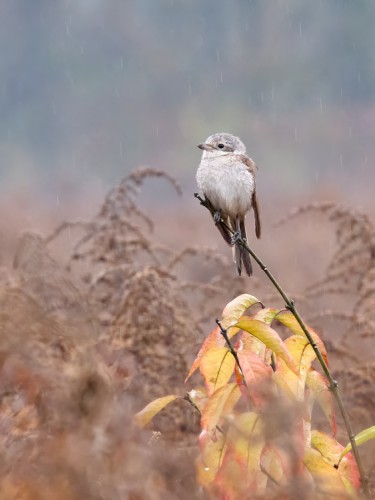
point(91, 89)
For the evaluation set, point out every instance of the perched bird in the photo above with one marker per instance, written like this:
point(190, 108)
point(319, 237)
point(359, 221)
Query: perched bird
point(226, 177)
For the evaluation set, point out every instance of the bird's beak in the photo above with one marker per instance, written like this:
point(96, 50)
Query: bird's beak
point(205, 147)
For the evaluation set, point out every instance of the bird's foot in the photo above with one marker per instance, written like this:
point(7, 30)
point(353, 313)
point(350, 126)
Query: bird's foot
point(236, 236)
point(217, 216)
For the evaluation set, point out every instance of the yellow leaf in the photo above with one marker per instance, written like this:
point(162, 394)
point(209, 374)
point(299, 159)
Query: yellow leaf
point(272, 462)
point(235, 309)
point(302, 355)
point(220, 404)
point(245, 438)
point(267, 315)
point(287, 318)
point(331, 450)
point(210, 458)
point(143, 417)
point(320, 390)
point(327, 479)
point(216, 366)
point(269, 337)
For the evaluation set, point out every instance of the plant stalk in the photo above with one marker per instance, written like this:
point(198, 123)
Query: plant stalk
point(289, 304)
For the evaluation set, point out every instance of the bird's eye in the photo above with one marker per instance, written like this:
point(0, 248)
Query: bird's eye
point(221, 146)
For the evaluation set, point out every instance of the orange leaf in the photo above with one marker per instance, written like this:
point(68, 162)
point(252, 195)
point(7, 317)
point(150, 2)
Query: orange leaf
point(240, 475)
point(143, 417)
point(256, 372)
point(269, 337)
point(287, 318)
point(220, 404)
point(216, 366)
point(215, 339)
point(320, 390)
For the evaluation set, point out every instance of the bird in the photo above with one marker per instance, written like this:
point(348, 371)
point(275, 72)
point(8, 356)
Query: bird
point(226, 177)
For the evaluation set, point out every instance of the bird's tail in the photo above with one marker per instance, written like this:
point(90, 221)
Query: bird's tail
point(240, 255)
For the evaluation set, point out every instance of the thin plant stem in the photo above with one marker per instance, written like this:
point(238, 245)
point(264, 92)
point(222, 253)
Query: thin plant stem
point(224, 333)
point(289, 304)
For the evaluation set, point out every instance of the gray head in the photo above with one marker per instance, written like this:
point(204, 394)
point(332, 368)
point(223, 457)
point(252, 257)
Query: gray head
point(223, 143)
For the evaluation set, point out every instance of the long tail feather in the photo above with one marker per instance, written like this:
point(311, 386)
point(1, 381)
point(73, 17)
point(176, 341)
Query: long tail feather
point(240, 255)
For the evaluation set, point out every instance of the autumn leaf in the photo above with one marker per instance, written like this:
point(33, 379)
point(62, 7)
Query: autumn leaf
point(267, 315)
point(288, 319)
point(220, 404)
point(214, 339)
point(269, 337)
point(216, 367)
point(256, 373)
point(210, 458)
point(143, 417)
point(235, 309)
point(327, 478)
point(320, 390)
point(273, 463)
point(302, 355)
point(331, 451)
point(240, 475)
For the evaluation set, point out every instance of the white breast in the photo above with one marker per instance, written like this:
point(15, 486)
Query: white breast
point(227, 184)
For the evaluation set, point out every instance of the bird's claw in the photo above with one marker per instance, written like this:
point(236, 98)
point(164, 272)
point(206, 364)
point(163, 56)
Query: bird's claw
point(235, 237)
point(217, 216)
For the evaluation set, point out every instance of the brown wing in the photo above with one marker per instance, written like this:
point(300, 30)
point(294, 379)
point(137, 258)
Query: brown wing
point(250, 165)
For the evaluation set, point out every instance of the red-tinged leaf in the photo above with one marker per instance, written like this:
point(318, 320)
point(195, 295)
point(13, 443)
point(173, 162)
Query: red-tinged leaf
point(216, 367)
point(360, 438)
point(232, 481)
point(288, 320)
point(274, 464)
point(327, 479)
point(143, 417)
point(245, 439)
point(235, 309)
point(320, 390)
point(252, 344)
point(215, 339)
point(240, 475)
point(269, 337)
point(210, 458)
point(199, 397)
point(257, 375)
point(331, 452)
point(219, 405)
point(302, 355)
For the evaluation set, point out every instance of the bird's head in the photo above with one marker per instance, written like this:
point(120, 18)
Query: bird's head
point(221, 144)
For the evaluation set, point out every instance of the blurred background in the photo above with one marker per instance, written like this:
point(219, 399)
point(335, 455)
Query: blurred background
point(99, 318)
point(91, 89)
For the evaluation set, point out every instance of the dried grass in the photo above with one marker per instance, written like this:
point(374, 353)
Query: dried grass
point(85, 344)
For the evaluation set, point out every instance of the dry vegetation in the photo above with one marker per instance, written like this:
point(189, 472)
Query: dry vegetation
point(87, 342)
